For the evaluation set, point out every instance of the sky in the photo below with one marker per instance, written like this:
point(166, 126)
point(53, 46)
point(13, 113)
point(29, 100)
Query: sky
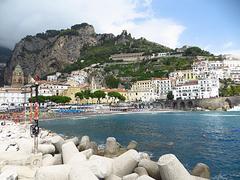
point(213, 25)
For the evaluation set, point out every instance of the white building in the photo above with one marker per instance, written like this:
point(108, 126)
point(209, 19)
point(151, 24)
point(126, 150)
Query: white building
point(51, 89)
point(54, 77)
point(150, 90)
point(209, 88)
point(189, 90)
point(197, 89)
point(161, 87)
point(13, 96)
point(77, 78)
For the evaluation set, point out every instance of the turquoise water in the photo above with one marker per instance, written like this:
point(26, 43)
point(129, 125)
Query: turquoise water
point(209, 137)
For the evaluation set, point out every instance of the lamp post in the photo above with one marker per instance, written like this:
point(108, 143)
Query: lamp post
point(34, 128)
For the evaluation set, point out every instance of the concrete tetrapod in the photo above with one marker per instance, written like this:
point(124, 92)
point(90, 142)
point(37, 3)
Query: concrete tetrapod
point(75, 140)
point(112, 146)
point(172, 169)
point(46, 148)
point(81, 173)
point(145, 177)
point(84, 143)
point(23, 172)
point(58, 172)
point(201, 170)
point(57, 141)
point(48, 160)
point(132, 176)
point(102, 167)
point(68, 151)
point(151, 167)
point(141, 171)
point(113, 177)
point(125, 163)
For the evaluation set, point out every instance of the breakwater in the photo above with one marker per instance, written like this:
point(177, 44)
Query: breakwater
point(82, 159)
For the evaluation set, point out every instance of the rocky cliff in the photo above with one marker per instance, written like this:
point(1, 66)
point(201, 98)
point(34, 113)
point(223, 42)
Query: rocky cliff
point(51, 51)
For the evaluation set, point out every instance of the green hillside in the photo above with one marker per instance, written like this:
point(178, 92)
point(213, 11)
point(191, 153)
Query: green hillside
point(102, 52)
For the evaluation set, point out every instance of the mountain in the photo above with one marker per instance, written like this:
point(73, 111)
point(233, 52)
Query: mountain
point(57, 50)
point(63, 50)
point(5, 54)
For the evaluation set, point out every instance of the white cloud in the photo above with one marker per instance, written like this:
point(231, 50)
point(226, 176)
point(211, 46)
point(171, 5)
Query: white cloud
point(228, 45)
point(20, 18)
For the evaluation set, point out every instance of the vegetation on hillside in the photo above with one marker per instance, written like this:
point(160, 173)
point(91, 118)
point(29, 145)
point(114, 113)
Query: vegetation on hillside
point(155, 68)
point(229, 88)
point(196, 51)
point(102, 52)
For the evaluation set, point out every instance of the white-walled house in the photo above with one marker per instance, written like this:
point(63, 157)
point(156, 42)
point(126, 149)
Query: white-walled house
point(189, 90)
point(14, 96)
point(51, 89)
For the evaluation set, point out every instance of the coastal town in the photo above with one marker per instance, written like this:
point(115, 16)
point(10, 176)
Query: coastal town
point(119, 90)
point(202, 81)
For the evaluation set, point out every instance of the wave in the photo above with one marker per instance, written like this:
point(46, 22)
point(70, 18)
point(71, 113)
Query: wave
point(221, 115)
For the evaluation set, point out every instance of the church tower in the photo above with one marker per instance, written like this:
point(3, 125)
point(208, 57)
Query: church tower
point(18, 77)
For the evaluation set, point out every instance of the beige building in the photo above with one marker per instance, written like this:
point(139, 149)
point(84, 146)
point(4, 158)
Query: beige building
point(17, 77)
point(131, 57)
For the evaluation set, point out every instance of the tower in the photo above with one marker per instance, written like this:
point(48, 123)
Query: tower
point(17, 77)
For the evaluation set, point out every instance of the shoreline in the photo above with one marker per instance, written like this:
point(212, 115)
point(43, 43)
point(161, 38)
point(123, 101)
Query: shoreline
point(87, 115)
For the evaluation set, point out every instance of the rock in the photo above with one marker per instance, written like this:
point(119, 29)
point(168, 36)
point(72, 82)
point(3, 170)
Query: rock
point(132, 176)
point(144, 155)
point(84, 143)
point(171, 168)
point(57, 141)
point(9, 174)
point(112, 147)
point(141, 171)
point(132, 145)
point(201, 170)
point(145, 177)
point(57, 159)
point(151, 167)
point(125, 163)
point(81, 173)
point(58, 172)
point(68, 151)
point(113, 177)
point(46, 148)
point(75, 140)
point(23, 172)
point(50, 52)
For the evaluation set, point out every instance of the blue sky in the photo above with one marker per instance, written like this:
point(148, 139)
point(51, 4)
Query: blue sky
point(211, 24)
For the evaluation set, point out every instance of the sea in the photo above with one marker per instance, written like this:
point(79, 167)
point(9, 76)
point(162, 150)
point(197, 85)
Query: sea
point(212, 138)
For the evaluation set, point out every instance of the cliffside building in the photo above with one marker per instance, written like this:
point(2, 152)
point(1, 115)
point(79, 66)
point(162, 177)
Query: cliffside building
point(17, 77)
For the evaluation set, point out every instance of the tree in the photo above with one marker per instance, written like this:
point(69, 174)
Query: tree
point(79, 95)
point(41, 99)
point(59, 99)
point(99, 94)
point(112, 82)
point(117, 95)
point(170, 95)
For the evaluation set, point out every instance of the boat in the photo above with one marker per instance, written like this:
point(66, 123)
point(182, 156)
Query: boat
point(235, 108)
